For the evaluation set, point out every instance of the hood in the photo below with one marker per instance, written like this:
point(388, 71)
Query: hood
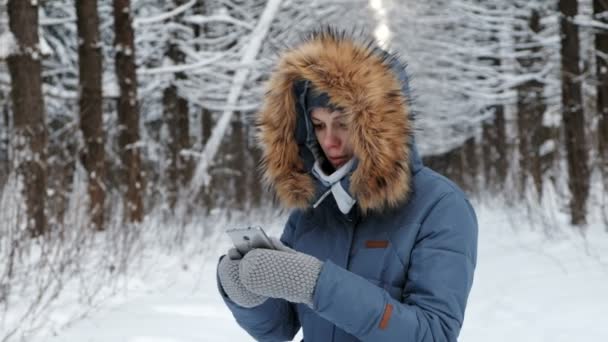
point(371, 87)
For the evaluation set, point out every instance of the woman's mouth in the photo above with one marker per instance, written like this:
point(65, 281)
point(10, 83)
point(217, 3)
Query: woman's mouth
point(336, 160)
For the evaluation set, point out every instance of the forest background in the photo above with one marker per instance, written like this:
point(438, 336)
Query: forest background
point(121, 118)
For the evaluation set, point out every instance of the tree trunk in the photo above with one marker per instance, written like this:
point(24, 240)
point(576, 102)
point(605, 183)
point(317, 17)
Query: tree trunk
point(238, 161)
point(254, 174)
point(449, 164)
point(600, 8)
point(90, 103)
point(207, 123)
point(176, 119)
point(30, 134)
point(178, 124)
point(530, 107)
point(494, 144)
point(494, 150)
point(572, 113)
point(128, 112)
point(62, 150)
point(4, 140)
point(206, 116)
point(471, 165)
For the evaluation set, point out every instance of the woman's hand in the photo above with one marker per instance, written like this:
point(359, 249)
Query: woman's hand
point(284, 273)
point(228, 272)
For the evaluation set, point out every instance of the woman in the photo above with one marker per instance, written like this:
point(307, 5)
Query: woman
point(378, 247)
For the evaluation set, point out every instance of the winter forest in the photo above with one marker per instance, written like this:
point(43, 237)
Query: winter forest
point(127, 144)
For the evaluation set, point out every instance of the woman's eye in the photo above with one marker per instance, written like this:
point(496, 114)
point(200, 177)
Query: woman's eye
point(342, 125)
point(318, 126)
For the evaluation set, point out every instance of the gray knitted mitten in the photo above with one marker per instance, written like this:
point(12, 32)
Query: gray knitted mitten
point(228, 272)
point(277, 274)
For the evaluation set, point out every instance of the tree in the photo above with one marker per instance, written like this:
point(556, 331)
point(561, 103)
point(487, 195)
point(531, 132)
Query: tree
point(600, 8)
point(253, 175)
point(4, 141)
point(494, 141)
point(201, 32)
point(176, 113)
point(530, 102)
point(450, 163)
point(90, 102)
point(29, 137)
point(238, 161)
point(128, 111)
point(59, 43)
point(572, 112)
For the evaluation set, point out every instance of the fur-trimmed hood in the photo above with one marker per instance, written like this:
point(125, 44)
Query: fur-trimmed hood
point(370, 86)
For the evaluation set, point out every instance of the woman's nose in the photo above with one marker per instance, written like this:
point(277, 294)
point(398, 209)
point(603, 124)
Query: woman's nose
point(331, 139)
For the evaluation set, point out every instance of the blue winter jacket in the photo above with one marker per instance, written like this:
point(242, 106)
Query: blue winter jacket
point(399, 266)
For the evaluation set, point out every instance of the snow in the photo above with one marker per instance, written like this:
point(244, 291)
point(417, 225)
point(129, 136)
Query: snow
point(111, 88)
point(45, 48)
point(8, 44)
point(547, 147)
point(534, 282)
point(530, 288)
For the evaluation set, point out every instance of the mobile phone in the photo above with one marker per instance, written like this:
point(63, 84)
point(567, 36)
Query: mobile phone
point(246, 239)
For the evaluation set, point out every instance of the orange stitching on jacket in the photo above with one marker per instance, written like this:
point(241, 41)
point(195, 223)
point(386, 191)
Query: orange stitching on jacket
point(376, 243)
point(388, 310)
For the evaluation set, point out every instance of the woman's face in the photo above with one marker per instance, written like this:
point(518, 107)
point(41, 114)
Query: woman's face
point(332, 133)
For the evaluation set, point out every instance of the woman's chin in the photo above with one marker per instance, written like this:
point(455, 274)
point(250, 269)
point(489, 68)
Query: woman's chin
point(338, 164)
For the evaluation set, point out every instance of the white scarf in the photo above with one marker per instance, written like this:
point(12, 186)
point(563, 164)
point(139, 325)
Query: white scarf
point(334, 185)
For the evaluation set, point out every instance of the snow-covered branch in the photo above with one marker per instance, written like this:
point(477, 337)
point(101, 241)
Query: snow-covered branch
point(182, 67)
point(257, 37)
point(589, 22)
point(223, 18)
point(164, 16)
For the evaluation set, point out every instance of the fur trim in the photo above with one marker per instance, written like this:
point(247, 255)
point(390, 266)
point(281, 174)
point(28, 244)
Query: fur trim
point(359, 79)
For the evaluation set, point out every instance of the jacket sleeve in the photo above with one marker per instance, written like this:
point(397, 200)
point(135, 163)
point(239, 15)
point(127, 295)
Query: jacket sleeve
point(275, 319)
point(437, 286)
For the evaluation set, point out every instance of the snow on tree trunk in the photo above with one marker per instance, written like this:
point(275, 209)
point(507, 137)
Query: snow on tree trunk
point(29, 137)
point(90, 103)
point(572, 112)
point(128, 111)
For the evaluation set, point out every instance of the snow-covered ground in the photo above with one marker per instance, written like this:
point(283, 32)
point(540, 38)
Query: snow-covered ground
point(528, 287)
